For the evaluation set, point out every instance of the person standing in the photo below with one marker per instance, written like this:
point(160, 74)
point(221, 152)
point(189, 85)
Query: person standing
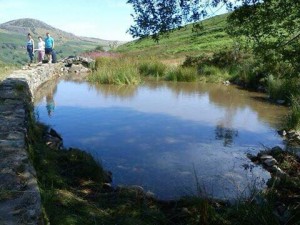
point(41, 49)
point(30, 47)
point(49, 46)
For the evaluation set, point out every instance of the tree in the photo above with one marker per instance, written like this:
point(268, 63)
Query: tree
point(155, 17)
point(272, 29)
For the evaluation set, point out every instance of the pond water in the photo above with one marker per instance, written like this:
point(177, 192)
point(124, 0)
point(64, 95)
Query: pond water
point(173, 139)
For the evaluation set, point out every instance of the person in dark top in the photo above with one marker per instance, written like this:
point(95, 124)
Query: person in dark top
point(30, 47)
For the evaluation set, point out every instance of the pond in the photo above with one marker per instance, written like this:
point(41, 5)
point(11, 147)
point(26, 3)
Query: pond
point(173, 139)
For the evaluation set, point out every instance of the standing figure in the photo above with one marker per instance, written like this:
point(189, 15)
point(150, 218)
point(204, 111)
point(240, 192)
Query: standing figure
point(49, 46)
point(30, 47)
point(41, 50)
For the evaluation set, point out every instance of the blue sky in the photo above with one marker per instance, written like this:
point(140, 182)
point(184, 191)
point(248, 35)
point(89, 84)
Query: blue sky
point(105, 19)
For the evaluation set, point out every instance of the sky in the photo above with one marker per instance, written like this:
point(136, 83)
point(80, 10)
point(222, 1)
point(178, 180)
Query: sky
point(105, 19)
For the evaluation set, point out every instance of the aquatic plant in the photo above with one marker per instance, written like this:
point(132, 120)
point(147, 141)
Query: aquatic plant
point(293, 119)
point(188, 74)
point(115, 71)
point(151, 68)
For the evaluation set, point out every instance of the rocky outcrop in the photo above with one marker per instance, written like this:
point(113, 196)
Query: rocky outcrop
point(20, 201)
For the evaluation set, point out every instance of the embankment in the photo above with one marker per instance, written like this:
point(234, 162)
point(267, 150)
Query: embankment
point(20, 201)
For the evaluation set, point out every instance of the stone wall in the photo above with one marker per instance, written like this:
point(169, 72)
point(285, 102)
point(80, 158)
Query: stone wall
point(20, 201)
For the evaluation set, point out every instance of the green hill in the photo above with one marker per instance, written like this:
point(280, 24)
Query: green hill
point(182, 42)
point(14, 35)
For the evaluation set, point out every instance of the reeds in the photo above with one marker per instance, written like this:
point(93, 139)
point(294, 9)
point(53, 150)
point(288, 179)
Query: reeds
point(293, 119)
point(115, 71)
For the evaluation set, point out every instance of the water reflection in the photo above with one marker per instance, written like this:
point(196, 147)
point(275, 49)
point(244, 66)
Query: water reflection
point(225, 134)
point(50, 104)
point(166, 136)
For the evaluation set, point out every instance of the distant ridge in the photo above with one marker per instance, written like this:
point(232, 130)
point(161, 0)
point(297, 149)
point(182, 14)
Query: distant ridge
point(13, 40)
point(37, 27)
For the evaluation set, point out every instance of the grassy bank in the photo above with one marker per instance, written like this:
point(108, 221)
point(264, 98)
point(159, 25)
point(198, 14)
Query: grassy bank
point(75, 190)
point(182, 42)
point(5, 70)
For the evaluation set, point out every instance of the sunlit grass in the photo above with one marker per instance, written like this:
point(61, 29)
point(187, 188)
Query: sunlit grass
point(188, 74)
point(213, 74)
point(115, 71)
point(151, 68)
point(182, 42)
point(5, 70)
point(293, 119)
point(283, 89)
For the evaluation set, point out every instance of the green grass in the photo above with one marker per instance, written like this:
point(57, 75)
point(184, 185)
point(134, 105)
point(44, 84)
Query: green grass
point(151, 67)
point(293, 119)
point(183, 42)
point(182, 74)
point(115, 71)
point(5, 70)
point(283, 89)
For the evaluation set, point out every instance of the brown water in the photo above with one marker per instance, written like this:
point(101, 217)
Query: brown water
point(169, 138)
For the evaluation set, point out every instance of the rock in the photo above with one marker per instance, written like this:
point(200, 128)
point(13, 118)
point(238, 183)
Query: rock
point(107, 176)
point(264, 157)
point(150, 195)
point(280, 102)
point(227, 82)
point(53, 133)
point(78, 60)
point(291, 133)
point(276, 148)
point(282, 132)
point(278, 171)
point(270, 162)
point(107, 187)
point(261, 88)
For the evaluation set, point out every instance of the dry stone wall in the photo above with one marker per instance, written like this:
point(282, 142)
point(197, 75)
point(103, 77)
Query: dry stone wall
point(20, 201)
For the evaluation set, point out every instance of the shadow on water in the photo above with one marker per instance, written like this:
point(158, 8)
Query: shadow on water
point(161, 135)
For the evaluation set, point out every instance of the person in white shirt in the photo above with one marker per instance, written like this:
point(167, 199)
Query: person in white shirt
point(41, 49)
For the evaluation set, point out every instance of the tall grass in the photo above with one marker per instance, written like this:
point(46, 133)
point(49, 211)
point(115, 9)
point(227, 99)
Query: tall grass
point(115, 71)
point(213, 74)
point(283, 89)
point(5, 70)
point(187, 74)
point(151, 68)
point(293, 119)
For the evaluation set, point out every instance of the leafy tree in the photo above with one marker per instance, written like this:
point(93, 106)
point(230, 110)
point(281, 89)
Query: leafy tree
point(154, 17)
point(272, 29)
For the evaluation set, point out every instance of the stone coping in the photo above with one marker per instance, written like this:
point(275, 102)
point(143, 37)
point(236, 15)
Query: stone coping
point(20, 201)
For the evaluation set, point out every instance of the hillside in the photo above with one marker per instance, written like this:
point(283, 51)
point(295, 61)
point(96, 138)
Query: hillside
point(182, 42)
point(14, 35)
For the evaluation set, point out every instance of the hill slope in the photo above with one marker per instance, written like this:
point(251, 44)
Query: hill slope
point(14, 35)
point(183, 42)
